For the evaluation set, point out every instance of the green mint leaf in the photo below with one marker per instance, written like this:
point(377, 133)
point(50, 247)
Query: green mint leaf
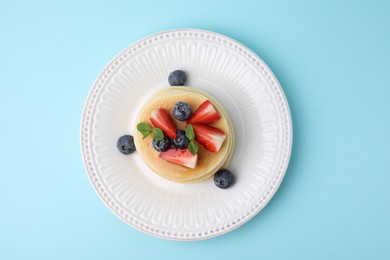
point(144, 128)
point(193, 147)
point(158, 134)
point(190, 132)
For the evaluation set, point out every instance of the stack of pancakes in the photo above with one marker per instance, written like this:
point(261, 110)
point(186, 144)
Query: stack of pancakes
point(208, 162)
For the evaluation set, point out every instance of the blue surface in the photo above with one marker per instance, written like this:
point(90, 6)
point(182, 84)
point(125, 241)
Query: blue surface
point(332, 59)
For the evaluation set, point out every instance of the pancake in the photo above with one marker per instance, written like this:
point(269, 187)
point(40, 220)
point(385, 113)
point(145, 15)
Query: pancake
point(208, 162)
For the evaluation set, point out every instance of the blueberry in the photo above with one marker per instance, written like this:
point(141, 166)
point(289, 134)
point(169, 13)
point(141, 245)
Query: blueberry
point(224, 178)
point(162, 145)
point(125, 144)
point(177, 78)
point(181, 141)
point(181, 111)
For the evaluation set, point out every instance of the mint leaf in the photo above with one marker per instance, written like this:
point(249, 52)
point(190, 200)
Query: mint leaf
point(144, 128)
point(158, 134)
point(190, 132)
point(193, 147)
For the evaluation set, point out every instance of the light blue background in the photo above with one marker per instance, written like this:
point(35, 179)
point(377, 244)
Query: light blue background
point(332, 59)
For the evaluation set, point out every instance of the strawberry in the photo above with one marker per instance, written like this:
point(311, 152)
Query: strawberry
point(160, 118)
point(205, 114)
point(210, 137)
point(181, 157)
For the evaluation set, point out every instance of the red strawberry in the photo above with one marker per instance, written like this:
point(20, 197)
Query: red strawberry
point(160, 118)
point(205, 114)
point(210, 137)
point(181, 157)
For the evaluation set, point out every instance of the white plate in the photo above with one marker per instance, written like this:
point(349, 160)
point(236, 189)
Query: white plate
point(244, 85)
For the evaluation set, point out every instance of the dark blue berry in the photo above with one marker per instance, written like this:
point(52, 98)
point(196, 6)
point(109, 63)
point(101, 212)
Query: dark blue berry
point(177, 78)
point(162, 145)
point(125, 144)
point(182, 111)
point(181, 141)
point(224, 178)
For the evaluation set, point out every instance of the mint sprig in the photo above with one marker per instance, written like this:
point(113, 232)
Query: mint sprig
point(192, 146)
point(158, 134)
point(145, 130)
point(190, 132)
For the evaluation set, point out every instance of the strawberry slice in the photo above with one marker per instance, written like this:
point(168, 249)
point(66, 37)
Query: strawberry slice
point(205, 114)
point(210, 137)
point(181, 157)
point(160, 118)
